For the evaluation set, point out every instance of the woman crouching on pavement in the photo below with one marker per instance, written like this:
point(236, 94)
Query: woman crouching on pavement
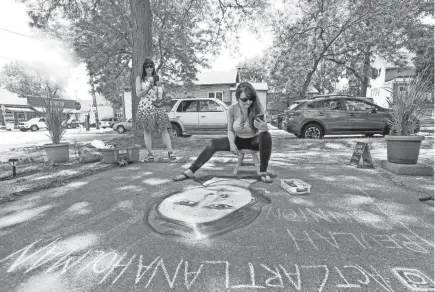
point(247, 129)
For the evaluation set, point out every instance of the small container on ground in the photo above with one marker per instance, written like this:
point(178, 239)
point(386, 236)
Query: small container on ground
point(295, 186)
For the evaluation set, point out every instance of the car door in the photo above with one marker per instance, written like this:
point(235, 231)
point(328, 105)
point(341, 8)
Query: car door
point(41, 123)
point(362, 116)
point(187, 113)
point(212, 116)
point(333, 115)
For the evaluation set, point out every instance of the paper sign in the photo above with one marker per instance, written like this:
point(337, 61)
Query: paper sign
point(361, 150)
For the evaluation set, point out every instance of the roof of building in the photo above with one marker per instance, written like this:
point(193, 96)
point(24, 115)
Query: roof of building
point(217, 77)
point(257, 86)
point(7, 97)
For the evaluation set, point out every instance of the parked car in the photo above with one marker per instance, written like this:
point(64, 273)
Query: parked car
point(33, 124)
point(314, 118)
point(108, 122)
point(71, 124)
point(191, 116)
point(122, 127)
point(276, 120)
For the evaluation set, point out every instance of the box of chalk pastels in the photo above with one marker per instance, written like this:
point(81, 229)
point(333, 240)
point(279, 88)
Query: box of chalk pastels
point(295, 186)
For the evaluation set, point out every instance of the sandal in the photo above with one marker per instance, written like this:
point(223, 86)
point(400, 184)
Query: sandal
point(265, 177)
point(182, 176)
point(171, 156)
point(150, 158)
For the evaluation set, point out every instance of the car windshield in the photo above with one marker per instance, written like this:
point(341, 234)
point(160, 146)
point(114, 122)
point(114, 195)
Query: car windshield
point(293, 105)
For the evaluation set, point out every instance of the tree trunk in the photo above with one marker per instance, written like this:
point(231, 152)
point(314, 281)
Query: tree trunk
point(142, 44)
point(366, 74)
point(308, 79)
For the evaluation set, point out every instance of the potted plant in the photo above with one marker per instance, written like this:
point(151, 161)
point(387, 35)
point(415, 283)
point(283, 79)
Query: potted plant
point(406, 109)
point(56, 119)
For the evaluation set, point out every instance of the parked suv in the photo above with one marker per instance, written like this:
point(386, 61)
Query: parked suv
point(108, 122)
point(191, 116)
point(198, 116)
point(315, 118)
point(33, 124)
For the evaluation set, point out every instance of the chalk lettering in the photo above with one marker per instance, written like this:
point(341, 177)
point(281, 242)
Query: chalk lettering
point(50, 252)
point(65, 262)
point(297, 282)
point(22, 258)
point(332, 242)
point(320, 215)
point(278, 215)
point(294, 216)
point(101, 253)
point(140, 267)
point(170, 281)
point(350, 234)
point(303, 215)
point(252, 276)
point(276, 275)
point(106, 266)
point(387, 238)
point(414, 279)
point(187, 273)
point(295, 240)
point(409, 243)
point(325, 278)
point(347, 284)
point(378, 278)
point(117, 265)
point(367, 279)
point(227, 271)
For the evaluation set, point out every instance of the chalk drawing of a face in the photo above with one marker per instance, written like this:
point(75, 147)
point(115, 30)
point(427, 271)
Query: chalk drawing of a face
point(218, 206)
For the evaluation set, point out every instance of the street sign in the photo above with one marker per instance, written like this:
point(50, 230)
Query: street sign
point(361, 150)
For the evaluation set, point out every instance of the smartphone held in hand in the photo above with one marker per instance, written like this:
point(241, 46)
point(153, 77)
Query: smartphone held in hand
point(260, 117)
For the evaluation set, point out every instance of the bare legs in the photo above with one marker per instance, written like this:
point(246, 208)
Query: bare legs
point(149, 142)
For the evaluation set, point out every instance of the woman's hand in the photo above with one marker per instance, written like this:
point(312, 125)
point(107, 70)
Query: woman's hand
point(234, 149)
point(261, 125)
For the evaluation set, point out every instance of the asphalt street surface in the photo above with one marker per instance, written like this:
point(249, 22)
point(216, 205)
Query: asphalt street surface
point(356, 231)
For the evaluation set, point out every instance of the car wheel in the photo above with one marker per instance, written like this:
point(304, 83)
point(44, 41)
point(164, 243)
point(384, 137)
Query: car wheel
point(34, 128)
point(369, 135)
point(175, 131)
point(120, 129)
point(312, 131)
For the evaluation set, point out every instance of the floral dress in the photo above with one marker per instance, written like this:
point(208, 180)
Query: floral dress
point(148, 116)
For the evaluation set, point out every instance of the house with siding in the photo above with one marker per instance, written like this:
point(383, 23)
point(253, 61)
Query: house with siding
point(222, 85)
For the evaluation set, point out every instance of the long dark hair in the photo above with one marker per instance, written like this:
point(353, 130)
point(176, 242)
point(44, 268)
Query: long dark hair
point(255, 107)
point(146, 62)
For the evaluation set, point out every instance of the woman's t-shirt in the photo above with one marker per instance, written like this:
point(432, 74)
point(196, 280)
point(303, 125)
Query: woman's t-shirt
point(236, 124)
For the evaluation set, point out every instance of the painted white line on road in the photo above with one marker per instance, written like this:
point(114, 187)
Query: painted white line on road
point(431, 244)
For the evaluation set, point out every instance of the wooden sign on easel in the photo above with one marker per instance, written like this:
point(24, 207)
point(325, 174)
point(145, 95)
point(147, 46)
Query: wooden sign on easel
point(361, 150)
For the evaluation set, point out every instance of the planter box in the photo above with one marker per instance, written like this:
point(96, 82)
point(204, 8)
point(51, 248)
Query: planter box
point(295, 186)
point(403, 149)
point(111, 155)
point(57, 152)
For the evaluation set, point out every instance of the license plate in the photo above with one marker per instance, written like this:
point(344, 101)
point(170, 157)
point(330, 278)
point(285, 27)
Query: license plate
point(123, 151)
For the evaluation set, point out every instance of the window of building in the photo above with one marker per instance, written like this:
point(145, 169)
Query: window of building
point(118, 115)
point(216, 94)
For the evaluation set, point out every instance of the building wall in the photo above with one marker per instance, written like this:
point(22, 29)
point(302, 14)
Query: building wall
point(201, 91)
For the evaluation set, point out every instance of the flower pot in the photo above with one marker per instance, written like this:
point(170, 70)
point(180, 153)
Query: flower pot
point(403, 149)
point(57, 152)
